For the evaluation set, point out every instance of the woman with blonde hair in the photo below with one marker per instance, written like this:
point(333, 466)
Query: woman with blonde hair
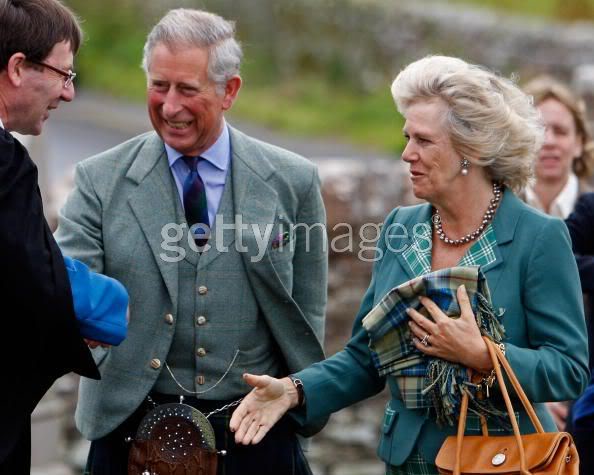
point(566, 159)
point(471, 140)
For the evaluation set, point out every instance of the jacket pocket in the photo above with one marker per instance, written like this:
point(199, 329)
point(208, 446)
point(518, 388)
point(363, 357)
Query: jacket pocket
point(387, 434)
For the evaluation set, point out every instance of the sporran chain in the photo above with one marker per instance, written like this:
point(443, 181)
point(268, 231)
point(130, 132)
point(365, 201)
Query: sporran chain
point(206, 390)
point(221, 409)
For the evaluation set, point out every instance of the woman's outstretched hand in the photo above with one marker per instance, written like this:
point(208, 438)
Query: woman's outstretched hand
point(270, 399)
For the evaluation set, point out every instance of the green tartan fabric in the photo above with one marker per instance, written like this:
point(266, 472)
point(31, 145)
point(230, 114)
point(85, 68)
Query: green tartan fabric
point(418, 256)
point(414, 465)
point(430, 382)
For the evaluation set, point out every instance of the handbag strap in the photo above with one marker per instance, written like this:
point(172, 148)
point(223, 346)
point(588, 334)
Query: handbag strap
point(498, 360)
point(517, 386)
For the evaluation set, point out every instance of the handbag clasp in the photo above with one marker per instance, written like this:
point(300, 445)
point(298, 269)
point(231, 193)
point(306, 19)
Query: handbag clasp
point(498, 459)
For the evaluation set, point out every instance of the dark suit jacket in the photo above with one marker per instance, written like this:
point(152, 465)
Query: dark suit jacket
point(581, 229)
point(40, 340)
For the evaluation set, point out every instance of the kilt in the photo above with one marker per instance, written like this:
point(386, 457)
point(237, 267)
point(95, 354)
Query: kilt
point(414, 465)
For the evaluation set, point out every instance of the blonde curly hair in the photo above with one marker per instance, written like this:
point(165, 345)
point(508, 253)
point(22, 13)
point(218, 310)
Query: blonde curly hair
point(491, 122)
point(545, 87)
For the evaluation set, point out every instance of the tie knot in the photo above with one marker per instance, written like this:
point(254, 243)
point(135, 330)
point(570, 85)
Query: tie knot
point(191, 162)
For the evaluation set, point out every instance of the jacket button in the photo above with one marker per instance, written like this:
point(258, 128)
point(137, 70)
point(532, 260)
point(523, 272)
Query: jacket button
point(169, 319)
point(202, 290)
point(201, 320)
point(155, 363)
point(201, 352)
point(200, 380)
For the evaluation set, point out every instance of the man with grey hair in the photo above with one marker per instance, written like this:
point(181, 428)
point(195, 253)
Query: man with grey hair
point(248, 296)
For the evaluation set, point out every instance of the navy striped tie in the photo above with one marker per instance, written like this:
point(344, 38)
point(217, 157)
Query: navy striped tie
point(195, 204)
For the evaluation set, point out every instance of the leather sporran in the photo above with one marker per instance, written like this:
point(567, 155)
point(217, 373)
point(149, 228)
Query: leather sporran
point(538, 453)
point(173, 439)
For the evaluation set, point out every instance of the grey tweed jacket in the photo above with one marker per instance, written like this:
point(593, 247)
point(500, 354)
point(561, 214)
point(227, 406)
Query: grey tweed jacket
point(114, 219)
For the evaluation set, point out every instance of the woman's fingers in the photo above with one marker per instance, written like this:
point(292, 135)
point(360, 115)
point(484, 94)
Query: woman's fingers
point(423, 322)
point(433, 309)
point(239, 425)
point(241, 417)
point(453, 339)
point(427, 349)
point(416, 330)
point(253, 427)
point(464, 303)
point(256, 381)
point(261, 431)
point(259, 410)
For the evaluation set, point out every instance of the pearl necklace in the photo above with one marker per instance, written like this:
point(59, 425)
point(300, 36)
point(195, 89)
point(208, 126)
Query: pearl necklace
point(497, 189)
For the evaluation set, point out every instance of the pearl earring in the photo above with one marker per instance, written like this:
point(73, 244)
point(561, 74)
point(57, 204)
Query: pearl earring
point(464, 165)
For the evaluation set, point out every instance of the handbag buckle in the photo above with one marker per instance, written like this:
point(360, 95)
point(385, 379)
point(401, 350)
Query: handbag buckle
point(498, 459)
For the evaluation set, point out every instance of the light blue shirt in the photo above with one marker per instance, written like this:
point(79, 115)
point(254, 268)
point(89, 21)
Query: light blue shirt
point(213, 171)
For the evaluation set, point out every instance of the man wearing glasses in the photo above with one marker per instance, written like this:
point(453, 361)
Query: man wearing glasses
point(67, 76)
point(51, 304)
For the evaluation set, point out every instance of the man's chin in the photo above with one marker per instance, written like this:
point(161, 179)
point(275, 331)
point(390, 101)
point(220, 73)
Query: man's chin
point(36, 130)
point(32, 130)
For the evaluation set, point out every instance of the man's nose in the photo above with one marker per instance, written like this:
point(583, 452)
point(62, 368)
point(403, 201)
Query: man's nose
point(407, 153)
point(68, 93)
point(171, 104)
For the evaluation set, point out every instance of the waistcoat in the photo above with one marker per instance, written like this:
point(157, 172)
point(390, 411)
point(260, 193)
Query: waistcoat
point(219, 330)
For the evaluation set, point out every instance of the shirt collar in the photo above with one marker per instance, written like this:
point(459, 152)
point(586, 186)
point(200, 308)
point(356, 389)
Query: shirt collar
point(563, 204)
point(565, 201)
point(1, 124)
point(218, 154)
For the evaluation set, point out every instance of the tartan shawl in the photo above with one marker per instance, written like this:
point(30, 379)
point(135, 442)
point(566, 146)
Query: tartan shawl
point(427, 382)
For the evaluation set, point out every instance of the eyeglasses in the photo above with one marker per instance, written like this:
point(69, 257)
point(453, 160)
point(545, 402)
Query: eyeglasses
point(68, 76)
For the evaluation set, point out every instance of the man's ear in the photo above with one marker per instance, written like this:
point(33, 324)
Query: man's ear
point(15, 69)
point(231, 90)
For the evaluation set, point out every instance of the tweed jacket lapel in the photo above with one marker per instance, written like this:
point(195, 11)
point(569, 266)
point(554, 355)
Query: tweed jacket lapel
point(153, 204)
point(254, 199)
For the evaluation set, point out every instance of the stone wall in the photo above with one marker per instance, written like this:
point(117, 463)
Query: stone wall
point(366, 42)
point(358, 195)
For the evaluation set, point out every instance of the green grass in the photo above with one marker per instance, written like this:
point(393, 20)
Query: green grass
point(309, 107)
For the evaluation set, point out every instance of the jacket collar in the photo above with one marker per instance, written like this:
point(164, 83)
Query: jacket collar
point(506, 218)
point(504, 224)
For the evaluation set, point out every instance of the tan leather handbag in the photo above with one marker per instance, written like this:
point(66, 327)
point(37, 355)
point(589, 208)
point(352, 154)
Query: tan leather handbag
point(539, 453)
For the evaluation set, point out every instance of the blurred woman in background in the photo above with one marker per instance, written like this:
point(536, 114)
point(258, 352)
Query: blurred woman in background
point(566, 159)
